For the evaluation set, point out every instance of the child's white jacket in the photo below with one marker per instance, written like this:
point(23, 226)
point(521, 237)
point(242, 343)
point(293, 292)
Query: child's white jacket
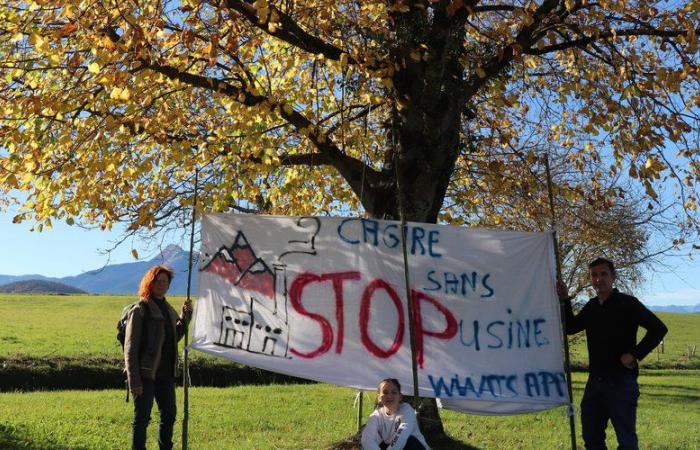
point(392, 430)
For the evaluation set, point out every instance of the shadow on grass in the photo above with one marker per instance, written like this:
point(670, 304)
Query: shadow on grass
point(668, 399)
point(446, 443)
point(12, 438)
point(20, 373)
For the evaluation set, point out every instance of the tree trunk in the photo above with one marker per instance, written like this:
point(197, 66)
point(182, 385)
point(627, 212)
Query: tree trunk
point(423, 139)
point(420, 179)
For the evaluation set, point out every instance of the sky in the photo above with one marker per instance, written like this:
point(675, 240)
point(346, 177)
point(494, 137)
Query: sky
point(66, 250)
point(69, 250)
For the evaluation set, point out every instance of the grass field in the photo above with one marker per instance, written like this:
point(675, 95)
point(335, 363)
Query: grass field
point(292, 416)
point(316, 416)
point(84, 325)
point(65, 325)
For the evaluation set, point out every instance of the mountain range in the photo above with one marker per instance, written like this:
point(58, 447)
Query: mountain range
point(39, 287)
point(677, 308)
point(125, 278)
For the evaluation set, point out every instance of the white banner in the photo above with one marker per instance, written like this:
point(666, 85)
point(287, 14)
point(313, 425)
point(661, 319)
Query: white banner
point(325, 299)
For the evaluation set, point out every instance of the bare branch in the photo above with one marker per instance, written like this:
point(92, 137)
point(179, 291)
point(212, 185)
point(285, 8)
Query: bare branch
point(584, 41)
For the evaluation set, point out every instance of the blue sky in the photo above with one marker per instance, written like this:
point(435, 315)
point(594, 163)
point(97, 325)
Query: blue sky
point(69, 250)
point(64, 250)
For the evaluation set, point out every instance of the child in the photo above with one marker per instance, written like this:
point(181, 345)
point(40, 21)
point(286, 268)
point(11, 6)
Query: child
point(393, 424)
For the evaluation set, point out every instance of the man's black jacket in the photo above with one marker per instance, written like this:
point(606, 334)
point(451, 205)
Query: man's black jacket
point(611, 330)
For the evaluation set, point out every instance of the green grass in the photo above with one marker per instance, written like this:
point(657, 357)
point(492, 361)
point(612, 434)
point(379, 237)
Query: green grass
point(65, 325)
point(684, 331)
point(316, 416)
point(290, 416)
point(84, 325)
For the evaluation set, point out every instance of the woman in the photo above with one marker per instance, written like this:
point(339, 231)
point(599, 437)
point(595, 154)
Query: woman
point(393, 424)
point(150, 352)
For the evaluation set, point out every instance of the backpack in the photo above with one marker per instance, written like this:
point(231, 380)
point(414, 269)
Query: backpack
point(121, 331)
point(124, 318)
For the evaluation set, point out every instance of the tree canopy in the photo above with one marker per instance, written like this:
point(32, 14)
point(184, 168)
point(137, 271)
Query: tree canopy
point(108, 106)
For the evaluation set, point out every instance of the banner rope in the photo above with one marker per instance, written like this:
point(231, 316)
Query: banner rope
point(185, 364)
point(557, 258)
point(409, 303)
point(358, 402)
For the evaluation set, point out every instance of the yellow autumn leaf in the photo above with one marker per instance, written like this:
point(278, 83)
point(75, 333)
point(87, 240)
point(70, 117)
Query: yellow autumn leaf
point(650, 190)
point(35, 39)
point(94, 68)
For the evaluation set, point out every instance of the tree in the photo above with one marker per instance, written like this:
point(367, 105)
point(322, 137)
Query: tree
point(108, 107)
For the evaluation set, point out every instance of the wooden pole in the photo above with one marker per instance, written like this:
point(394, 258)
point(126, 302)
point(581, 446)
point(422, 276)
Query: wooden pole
point(411, 331)
point(359, 410)
point(185, 365)
point(567, 360)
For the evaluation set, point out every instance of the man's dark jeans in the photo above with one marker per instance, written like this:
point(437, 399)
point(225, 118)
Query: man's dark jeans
point(613, 398)
point(163, 391)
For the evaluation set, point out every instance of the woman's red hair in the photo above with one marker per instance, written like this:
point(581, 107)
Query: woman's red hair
point(146, 287)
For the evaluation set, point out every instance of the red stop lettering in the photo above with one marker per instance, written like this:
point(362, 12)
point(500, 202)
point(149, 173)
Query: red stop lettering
point(450, 327)
point(295, 298)
point(364, 319)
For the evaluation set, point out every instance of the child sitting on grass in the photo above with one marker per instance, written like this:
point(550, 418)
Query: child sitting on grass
point(392, 425)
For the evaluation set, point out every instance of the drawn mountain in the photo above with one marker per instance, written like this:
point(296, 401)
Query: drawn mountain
point(239, 266)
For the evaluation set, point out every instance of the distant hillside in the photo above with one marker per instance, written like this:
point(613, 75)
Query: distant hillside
point(125, 278)
point(686, 309)
point(39, 287)
point(4, 279)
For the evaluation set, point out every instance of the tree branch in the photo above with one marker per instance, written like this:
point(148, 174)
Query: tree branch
point(494, 8)
point(288, 30)
point(584, 41)
point(507, 53)
point(309, 159)
point(359, 176)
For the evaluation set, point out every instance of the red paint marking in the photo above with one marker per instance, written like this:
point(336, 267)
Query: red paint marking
point(244, 256)
point(295, 296)
point(365, 316)
point(450, 327)
point(337, 279)
point(295, 292)
point(260, 282)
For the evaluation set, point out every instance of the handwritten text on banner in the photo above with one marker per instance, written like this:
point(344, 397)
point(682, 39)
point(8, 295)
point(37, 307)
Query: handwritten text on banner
point(325, 299)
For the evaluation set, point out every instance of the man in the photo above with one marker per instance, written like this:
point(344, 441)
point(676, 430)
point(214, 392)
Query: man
point(611, 320)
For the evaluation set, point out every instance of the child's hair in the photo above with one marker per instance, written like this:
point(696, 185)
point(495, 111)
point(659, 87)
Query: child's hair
point(393, 381)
